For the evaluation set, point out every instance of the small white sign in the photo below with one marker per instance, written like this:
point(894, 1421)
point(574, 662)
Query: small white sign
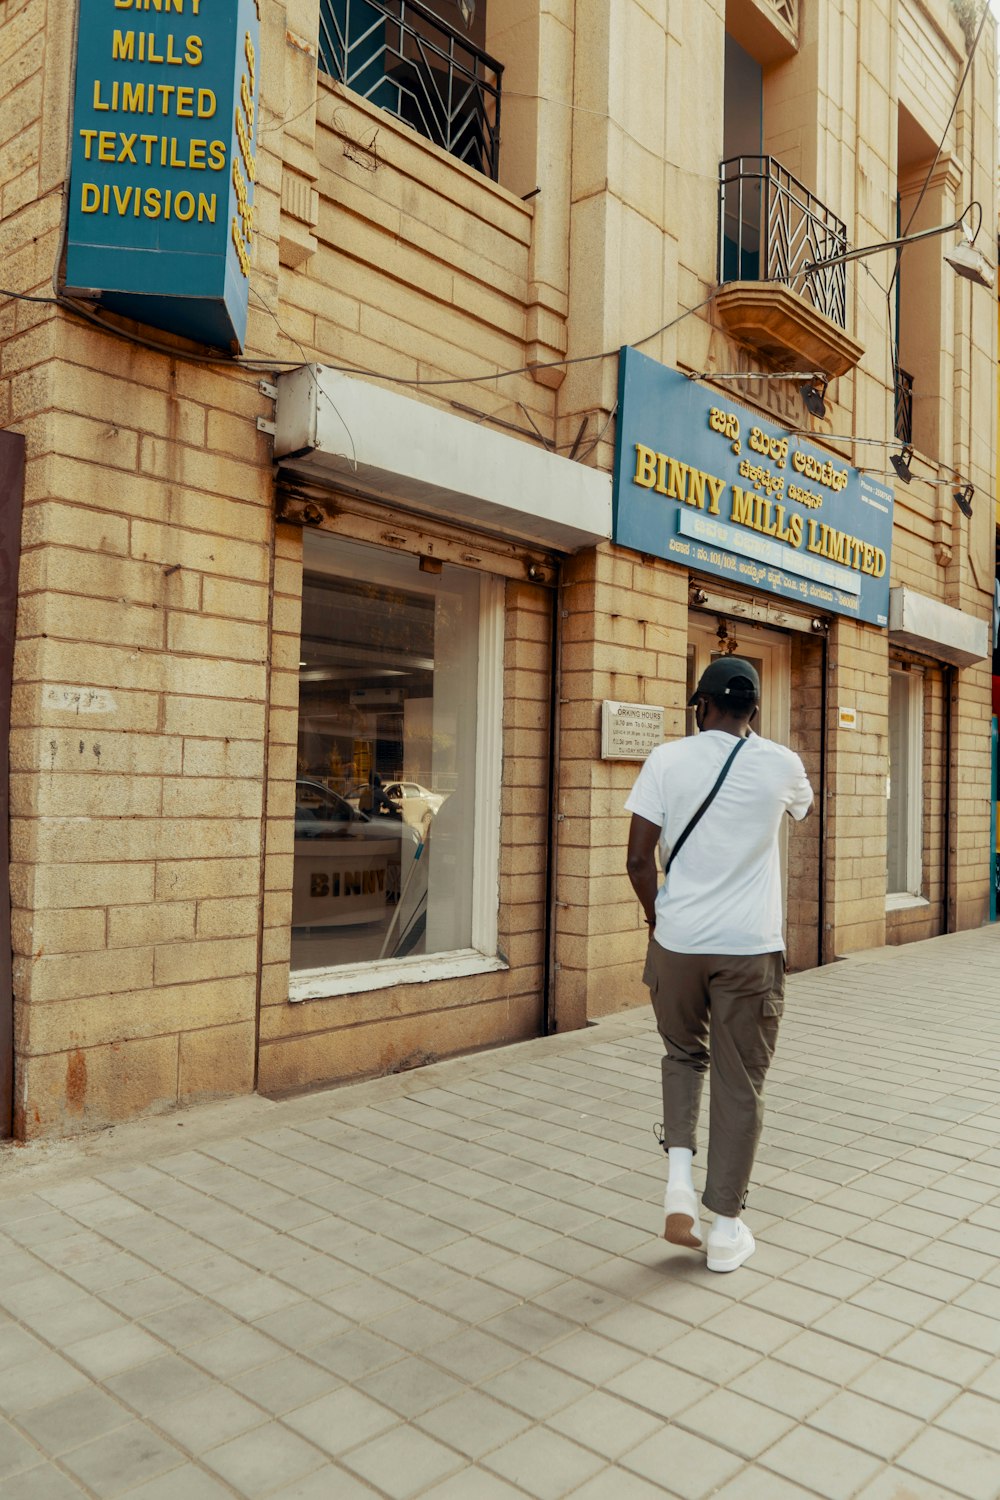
point(630, 730)
point(847, 718)
point(77, 700)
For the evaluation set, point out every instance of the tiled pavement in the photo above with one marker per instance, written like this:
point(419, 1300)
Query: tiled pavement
point(449, 1283)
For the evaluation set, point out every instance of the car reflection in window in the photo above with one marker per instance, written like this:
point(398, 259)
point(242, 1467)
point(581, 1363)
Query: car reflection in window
point(322, 814)
point(401, 793)
point(353, 868)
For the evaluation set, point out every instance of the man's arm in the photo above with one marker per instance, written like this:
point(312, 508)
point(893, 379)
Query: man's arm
point(643, 837)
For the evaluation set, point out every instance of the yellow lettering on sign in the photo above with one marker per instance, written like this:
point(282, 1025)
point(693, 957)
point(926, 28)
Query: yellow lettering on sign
point(149, 203)
point(667, 476)
point(246, 150)
point(246, 99)
point(241, 250)
point(742, 508)
point(645, 463)
point(141, 46)
point(251, 57)
point(841, 547)
point(166, 6)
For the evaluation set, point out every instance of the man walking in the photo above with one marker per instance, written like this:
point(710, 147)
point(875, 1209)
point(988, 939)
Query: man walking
point(715, 966)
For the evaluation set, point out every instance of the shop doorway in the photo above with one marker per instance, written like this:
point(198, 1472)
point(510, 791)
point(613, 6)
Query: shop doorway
point(715, 636)
point(769, 652)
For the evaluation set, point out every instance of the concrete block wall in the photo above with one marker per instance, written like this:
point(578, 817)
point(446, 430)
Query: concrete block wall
point(805, 837)
point(624, 638)
point(857, 763)
point(138, 748)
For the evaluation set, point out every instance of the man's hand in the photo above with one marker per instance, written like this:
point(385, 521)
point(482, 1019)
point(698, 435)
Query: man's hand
point(643, 837)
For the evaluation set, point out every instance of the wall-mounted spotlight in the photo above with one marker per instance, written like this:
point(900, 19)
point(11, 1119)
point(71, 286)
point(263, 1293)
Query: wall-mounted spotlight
point(970, 262)
point(901, 463)
point(963, 499)
point(812, 393)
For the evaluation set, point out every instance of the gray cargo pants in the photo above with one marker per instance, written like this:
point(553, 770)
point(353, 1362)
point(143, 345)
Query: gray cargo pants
point(720, 1012)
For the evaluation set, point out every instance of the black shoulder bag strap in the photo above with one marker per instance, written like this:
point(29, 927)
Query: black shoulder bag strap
point(696, 818)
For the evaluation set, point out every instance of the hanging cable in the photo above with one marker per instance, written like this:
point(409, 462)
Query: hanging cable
point(944, 133)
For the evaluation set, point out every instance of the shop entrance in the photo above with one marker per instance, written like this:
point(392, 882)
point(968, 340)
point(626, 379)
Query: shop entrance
point(713, 636)
point(769, 652)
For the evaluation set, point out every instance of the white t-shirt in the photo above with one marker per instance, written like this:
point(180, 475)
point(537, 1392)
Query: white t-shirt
point(723, 893)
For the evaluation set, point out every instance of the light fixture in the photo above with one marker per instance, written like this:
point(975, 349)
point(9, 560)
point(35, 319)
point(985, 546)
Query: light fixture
point(963, 499)
point(468, 9)
point(901, 463)
point(964, 258)
point(812, 393)
point(970, 262)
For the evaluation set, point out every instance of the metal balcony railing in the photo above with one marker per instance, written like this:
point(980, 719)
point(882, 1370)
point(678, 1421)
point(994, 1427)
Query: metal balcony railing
point(788, 10)
point(770, 227)
point(403, 58)
point(904, 406)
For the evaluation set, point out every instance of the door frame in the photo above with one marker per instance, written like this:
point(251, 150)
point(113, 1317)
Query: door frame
point(12, 449)
point(773, 648)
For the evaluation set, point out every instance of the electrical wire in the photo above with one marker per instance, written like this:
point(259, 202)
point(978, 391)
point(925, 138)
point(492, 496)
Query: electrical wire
point(264, 362)
point(944, 133)
point(26, 297)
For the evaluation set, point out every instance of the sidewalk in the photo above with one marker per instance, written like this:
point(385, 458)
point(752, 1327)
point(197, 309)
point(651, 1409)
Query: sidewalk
point(449, 1283)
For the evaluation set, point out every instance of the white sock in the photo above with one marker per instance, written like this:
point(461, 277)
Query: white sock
point(722, 1225)
point(679, 1169)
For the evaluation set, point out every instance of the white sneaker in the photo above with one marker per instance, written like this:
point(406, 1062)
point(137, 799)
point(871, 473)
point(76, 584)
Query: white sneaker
point(683, 1224)
point(727, 1250)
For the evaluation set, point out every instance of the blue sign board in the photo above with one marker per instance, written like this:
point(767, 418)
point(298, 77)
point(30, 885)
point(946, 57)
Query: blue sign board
point(704, 481)
point(161, 216)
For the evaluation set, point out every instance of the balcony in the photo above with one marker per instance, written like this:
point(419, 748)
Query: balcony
point(770, 228)
point(403, 58)
point(903, 426)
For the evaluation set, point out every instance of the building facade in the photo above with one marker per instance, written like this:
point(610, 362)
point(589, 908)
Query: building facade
point(355, 577)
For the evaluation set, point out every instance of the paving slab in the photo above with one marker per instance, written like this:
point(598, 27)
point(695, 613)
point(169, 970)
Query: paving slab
point(449, 1283)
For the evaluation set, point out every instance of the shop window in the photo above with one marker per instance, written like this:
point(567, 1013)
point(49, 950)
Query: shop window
point(904, 788)
point(397, 788)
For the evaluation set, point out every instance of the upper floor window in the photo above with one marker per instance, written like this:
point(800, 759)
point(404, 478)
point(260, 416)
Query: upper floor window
point(422, 63)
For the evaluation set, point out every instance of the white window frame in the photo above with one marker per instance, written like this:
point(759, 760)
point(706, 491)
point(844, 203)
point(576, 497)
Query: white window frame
point(913, 826)
point(481, 957)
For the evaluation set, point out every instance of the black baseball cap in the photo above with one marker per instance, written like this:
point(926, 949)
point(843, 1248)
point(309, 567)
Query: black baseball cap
point(727, 674)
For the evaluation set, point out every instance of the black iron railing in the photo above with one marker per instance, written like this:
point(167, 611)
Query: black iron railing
point(788, 10)
point(904, 406)
point(403, 58)
point(771, 227)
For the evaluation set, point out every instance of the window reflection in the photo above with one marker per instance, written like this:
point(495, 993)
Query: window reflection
point(386, 757)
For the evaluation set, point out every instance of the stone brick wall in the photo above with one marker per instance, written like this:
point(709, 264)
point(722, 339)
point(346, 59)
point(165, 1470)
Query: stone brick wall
point(625, 638)
point(805, 838)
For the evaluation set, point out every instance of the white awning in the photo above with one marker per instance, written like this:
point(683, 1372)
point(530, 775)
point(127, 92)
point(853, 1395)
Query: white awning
point(337, 430)
point(938, 630)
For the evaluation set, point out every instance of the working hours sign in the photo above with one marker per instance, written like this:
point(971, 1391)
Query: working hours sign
point(161, 218)
point(704, 481)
